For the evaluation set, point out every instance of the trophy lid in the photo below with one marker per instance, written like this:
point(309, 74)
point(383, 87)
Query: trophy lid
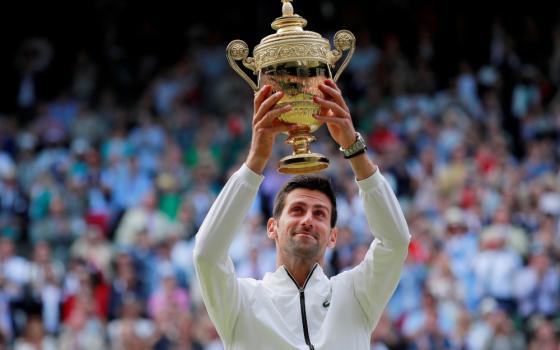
point(289, 21)
point(291, 43)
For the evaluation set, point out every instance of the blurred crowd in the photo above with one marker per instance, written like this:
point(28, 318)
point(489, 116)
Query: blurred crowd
point(105, 180)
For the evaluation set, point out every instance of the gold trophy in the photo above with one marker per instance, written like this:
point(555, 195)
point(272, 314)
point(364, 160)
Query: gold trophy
point(294, 61)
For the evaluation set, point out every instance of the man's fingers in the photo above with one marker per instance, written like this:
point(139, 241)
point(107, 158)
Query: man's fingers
point(273, 114)
point(334, 94)
point(333, 106)
point(267, 105)
point(330, 119)
point(279, 128)
point(260, 96)
point(332, 84)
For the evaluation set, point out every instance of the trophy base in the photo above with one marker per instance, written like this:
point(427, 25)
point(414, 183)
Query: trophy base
point(302, 163)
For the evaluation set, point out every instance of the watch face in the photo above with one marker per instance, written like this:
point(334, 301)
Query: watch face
point(356, 147)
point(360, 141)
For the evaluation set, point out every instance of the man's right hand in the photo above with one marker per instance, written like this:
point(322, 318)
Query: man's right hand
point(266, 126)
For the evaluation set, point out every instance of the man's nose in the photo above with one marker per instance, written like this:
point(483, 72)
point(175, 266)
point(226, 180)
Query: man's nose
point(307, 219)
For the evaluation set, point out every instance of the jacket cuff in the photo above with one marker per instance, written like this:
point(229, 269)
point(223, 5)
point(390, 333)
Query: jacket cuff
point(250, 176)
point(371, 182)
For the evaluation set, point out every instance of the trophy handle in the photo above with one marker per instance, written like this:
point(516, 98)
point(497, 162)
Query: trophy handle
point(238, 50)
point(343, 40)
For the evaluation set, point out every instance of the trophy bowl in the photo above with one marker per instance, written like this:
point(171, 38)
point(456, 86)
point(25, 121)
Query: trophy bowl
point(299, 81)
point(294, 61)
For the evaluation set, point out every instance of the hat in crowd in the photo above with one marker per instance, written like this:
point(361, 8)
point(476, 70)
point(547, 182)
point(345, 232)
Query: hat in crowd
point(166, 182)
point(488, 305)
point(455, 216)
point(493, 235)
point(549, 201)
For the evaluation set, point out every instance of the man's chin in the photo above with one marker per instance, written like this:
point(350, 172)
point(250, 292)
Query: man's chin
point(305, 248)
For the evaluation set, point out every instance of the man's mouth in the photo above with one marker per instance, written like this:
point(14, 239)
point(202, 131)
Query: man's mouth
point(306, 234)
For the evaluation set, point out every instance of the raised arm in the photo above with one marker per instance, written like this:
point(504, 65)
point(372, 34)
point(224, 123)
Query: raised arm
point(375, 279)
point(215, 270)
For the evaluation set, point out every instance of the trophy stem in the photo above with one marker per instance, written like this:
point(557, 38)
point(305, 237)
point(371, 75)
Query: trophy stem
point(300, 143)
point(302, 160)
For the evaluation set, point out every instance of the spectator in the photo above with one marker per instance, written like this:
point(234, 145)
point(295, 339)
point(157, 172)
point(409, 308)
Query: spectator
point(7, 331)
point(545, 336)
point(495, 268)
point(59, 228)
point(145, 216)
point(125, 283)
point(84, 284)
point(93, 248)
point(536, 286)
point(130, 330)
point(516, 237)
point(461, 246)
point(15, 268)
point(45, 280)
point(169, 297)
point(14, 204)
point(34, 337)
point(83, 329)
point(503, 334)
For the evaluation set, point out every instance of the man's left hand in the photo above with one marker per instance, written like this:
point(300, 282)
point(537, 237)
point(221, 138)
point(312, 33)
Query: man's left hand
point(336, 114)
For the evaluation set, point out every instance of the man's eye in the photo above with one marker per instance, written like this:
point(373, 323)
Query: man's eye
point(320, 214)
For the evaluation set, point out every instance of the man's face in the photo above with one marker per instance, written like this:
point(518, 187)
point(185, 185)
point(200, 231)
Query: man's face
point(303, 228)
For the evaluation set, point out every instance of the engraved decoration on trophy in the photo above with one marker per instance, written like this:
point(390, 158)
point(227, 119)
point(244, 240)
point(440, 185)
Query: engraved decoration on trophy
point(294, 61)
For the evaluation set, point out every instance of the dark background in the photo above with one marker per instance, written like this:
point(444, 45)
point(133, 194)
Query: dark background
point(166, 29)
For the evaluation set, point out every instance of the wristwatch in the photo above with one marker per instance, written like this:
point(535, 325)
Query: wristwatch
point(357, 147)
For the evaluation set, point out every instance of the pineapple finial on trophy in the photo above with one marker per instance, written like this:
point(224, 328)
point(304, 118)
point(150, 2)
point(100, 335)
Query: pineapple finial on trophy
point(287, 8)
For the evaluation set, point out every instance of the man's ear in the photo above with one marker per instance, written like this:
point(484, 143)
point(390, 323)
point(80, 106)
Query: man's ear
point(271, 228)
point(332, 238)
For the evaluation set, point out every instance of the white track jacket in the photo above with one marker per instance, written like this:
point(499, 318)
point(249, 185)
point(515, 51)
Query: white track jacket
point(274, 313)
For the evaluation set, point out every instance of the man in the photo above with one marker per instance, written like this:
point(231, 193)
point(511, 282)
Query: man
point(298, 306)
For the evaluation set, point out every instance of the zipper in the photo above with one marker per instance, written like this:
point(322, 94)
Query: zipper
point(302, 305)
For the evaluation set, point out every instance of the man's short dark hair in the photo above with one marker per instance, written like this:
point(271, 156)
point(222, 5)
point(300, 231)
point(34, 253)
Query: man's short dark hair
point(315, 183)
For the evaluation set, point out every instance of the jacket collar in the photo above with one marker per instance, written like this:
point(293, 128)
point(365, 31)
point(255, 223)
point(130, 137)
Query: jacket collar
point(282, 282)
